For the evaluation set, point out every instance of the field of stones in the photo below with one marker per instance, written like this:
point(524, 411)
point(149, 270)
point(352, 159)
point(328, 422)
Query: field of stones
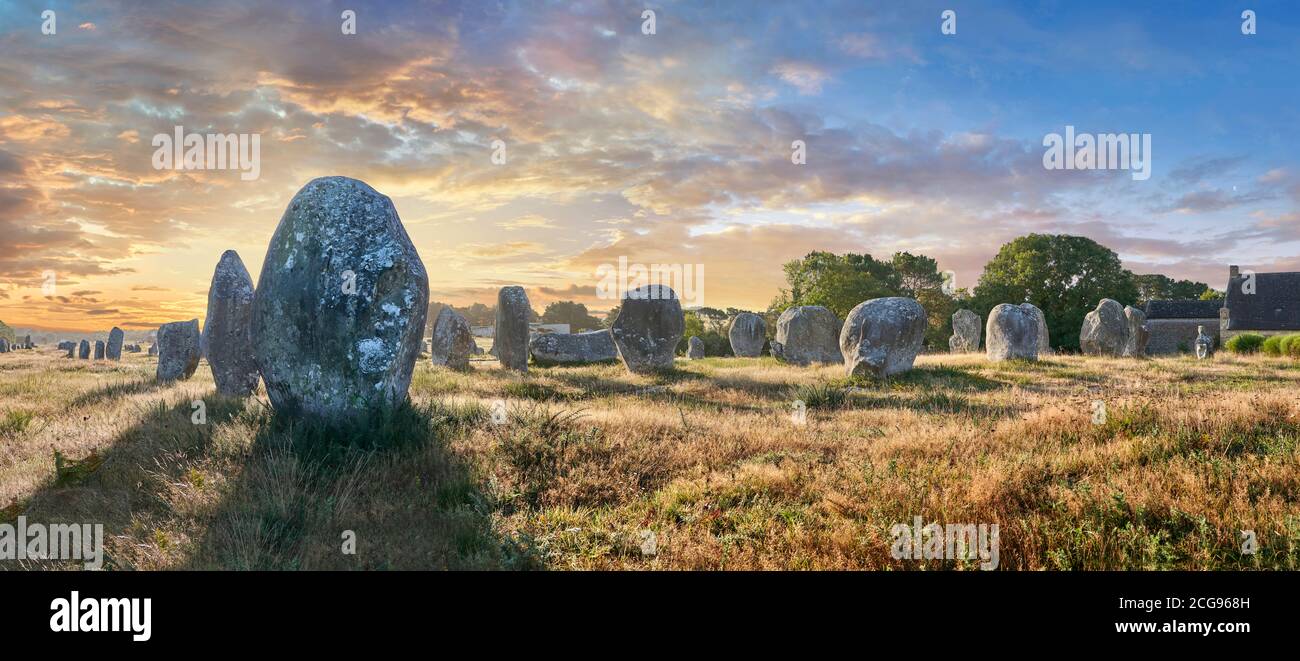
point(703, 466)
point(306, 425)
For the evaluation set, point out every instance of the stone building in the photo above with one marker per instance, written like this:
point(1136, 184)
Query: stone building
point(1260, 303)
point(1172, 324)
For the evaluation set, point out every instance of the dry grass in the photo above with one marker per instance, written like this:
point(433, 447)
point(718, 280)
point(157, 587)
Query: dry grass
point(708, 458)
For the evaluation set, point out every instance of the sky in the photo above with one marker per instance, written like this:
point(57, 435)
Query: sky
point(666, 148)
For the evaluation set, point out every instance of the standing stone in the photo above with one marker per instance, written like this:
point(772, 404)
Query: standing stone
point(747, 335)
point(83, 350)
point(695, 348)
point(1105, 330)
point(226, 328)
point(1136, 344)
point(178, 350)
point(648, 328)
point(595, 346)
point(153, 348)
point(340, 305)
point(807, 334)
point(1011, 333)
point(27, 342)
point(1204, 344)
point(965, 332)
point(72, 350)
point(4, 345)
point(882, 336)
point(1044, 339)
point(99, 349)
point(114, 349)
point(451, 343)
point(511, 336)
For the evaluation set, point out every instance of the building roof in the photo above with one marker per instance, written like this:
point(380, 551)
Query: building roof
point(1183, 309)
point(1274, 304)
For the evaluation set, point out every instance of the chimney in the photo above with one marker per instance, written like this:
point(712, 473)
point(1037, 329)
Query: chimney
point(1233, 271)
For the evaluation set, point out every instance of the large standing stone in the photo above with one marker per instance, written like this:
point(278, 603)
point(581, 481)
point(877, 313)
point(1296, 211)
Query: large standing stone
point(153, 348)
point(1044, 337)
point(27, 342)
point(882, 336)
point(1105, 330)
point(1011, 333)
point(510, 338)
point(965, 332)
point(595, 346)
point(748, 333)
point(226, 328)
point(451, 342)
point(4, 345)
point(83, 350)
point(1135, 346)
point(71, 349)
point(178, 350)
point(114, 349)
point(99, 349)
point(648, 328)
point(695, 348)
point(340, 304)
point(807, 334)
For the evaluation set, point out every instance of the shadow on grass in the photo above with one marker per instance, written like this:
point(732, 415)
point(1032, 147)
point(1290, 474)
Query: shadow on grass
point(119, 389)
point(250, 489)
point(385, 492)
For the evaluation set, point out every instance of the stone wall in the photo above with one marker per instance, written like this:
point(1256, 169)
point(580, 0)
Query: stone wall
point(1170, 336)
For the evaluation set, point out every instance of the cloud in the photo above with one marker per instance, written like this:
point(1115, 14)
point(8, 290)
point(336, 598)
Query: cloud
point(804, 76)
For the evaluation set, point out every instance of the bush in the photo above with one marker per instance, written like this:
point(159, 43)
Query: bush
point(1272, 345)
point(1286, 343)
point(1246, 343)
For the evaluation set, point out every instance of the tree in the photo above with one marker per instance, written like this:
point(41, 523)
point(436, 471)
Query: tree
point(838, 282)
point(1157, 287)
point(610, 316)
point(1211, 295)
point(1065, 276)
point(919, 278)
point(571, 313)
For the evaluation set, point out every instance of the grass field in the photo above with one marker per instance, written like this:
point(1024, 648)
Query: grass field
point(708, 458)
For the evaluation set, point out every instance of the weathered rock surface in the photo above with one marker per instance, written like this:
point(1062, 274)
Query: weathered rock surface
point(882, 336)
point(807, 334)
point(966, 332)
point(510, 339)
point(595, 346)
point(747, 334)
point(1011, 333)
point(1135, 345)
point(648, 328)
point(178, 350)
point(1105, 330)
point(83, 350)
point(153, 348)
point(1044, 336)
point(4, 345)
point(113, 351)
point(695, 348)
point(99, 349)
point(340, 305)
point(226, 334)
point(451, 343)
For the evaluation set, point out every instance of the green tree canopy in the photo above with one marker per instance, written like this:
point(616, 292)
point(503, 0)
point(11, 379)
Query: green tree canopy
point(1065, 276)
point(571, 313)
point(1157, 287)
point(838, 282)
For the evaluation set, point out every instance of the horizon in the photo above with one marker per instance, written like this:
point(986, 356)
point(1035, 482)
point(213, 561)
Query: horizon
point(672, 147)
